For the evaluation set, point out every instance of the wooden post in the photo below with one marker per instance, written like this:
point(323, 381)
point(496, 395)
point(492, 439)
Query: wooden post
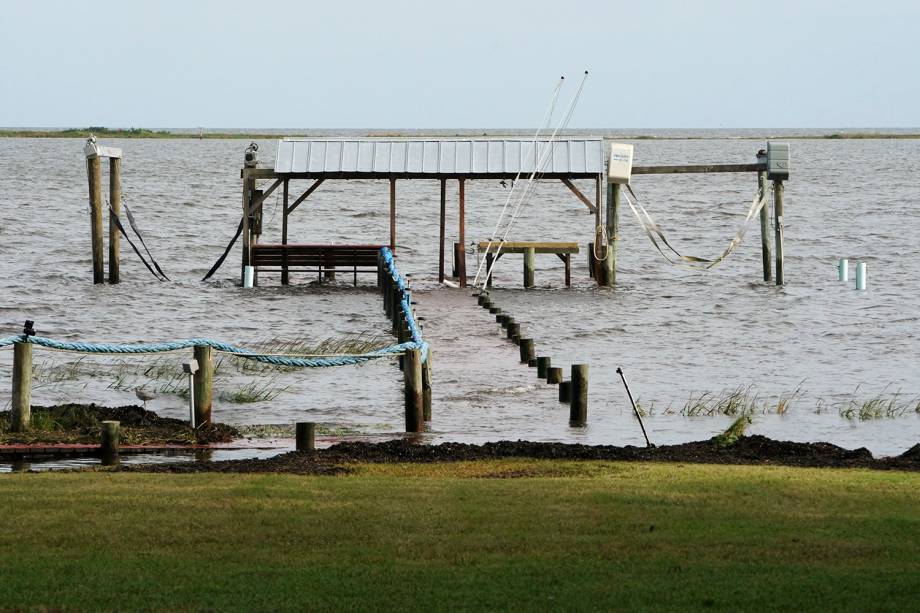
point(578, 414)
point(514, 329)
point(443, 222)
point(543, 365)
point(426, 388)
point(778, 220)
point(765, 247)
point(613, 230)
point(565, 391)
point(94, 173)
point(554, 375)
point(528, 267)
point(412, 374)
point(527, 350)
point(305, 435)
point(461, 252)
point(393, 215)
point(285, 273)
point(110, 440)
point(247, 239)
point(21, 404)
point(494, 310)
point(490, 262)
point(114, 236)
point(204, 383)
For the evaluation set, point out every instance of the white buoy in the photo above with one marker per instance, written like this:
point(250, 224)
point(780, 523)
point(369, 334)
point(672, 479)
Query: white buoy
point(248, 274)
point(861, 275)
point(843, 270)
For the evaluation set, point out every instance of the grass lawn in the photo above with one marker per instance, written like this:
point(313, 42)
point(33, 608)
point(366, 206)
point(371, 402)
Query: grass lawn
point(565, 535)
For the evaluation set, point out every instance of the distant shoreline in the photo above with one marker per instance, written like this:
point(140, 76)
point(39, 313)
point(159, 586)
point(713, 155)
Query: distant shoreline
point(495, 133)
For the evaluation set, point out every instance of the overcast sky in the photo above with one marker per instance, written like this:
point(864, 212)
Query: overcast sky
point(464, 64)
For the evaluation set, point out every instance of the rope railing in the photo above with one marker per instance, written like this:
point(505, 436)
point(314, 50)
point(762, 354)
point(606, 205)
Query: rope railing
point(416, 341)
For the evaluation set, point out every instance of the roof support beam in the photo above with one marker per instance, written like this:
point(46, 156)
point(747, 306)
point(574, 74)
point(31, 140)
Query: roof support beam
point(305, 195)
point(579, 195)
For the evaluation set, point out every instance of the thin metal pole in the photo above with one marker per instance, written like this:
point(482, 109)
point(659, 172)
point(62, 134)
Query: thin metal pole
point(635, 410)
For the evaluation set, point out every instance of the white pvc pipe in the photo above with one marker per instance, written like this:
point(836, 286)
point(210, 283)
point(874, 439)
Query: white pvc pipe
point(843, 270)
point(191, 400)
point(861, 275)
point(248, 273)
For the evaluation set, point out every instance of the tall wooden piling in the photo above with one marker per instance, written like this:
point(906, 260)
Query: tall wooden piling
point(114, 235)
point(204, 383)
point(285, 199)
point(529, 267)
point(442, 230)
point(527, 350)
point(778, 220)
point(513, 329)
point(554, 375)
point(21, 404)
point(305, 436)
point(94, 173)
point(765, 247)
point(414, 397)
point(461, 239)
point(578, 413)
point(393, 215)
point(609, 265)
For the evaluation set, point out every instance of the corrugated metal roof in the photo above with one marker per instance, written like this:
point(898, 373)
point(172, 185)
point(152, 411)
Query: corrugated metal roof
point(438, 157)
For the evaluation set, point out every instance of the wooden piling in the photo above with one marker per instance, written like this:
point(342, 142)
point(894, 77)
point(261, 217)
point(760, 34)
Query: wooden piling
point(414, 397)
point(527, 350)
point(554, 375)
point(565, 391)
point(778, 220)
point(204, 383)
point(578, 413)
point(426, 388)
point(529, 267)
point(461, 237)
point(305, 435)
point(609, 265)
point(110, 436)
point(495, 311)
point(765, 247)
point(21, 403)
point(114, 235)
point(513, 329)
point(505, 319)
point(443, 223)
point(393, 215)
point(543, 365)
point(94, 173)
point(285, 199)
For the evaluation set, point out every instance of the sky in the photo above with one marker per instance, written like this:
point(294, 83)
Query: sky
point(462, 64)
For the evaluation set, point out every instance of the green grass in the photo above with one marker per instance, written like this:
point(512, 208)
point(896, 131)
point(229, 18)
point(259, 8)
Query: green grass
point(573, 536)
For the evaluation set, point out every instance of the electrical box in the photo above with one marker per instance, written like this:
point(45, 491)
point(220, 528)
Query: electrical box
point(619, 168)
point(777, 161)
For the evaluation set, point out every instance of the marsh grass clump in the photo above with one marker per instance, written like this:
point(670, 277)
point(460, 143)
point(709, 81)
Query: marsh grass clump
point(734, 432)
point(257, 391)
point(880, 406)
point(735, 402)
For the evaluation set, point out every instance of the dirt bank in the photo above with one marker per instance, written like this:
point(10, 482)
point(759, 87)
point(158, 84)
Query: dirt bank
point(747, 450)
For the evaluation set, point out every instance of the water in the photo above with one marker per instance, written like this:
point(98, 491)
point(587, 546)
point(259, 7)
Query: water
point(675, 332)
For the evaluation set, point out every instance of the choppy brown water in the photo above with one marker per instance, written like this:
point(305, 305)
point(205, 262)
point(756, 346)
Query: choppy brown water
point(675, 332)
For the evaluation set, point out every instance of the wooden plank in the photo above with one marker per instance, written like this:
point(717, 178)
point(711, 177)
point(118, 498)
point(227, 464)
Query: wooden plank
point(579, 195)
point(537, 246)
point(305, 195)
point(697, 168)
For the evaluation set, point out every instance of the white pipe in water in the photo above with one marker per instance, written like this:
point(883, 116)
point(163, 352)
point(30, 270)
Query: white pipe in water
point(861, 275)
point(248, 274)
point(843, 270)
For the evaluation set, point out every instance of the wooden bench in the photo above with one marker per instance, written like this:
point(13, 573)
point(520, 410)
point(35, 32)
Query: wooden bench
point(563, 250)
point(323, 259)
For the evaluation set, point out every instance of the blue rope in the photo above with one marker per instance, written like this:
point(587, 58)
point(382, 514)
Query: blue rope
point(275, 360)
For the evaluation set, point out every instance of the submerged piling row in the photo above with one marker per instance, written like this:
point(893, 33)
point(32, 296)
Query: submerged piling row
point(573, 392)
